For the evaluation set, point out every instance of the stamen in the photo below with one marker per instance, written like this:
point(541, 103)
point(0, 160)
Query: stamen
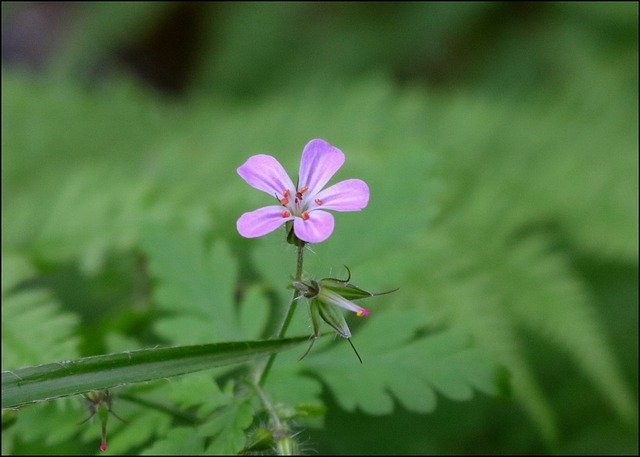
point(305, 215)
point(301, 192)
point(362, 312)
point(285, 197)
point(318, 201)
point(285, 213)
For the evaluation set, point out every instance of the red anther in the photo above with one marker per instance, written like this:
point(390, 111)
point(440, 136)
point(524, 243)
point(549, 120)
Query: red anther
point(305, 215)
point(318, 201)
point(286, 214)
point(285, 197)
point(301, 192)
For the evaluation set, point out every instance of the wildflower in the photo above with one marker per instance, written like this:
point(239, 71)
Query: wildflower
point(305, 203)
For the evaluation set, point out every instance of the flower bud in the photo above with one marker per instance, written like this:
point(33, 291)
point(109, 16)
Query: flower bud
point(326, 296)
point(287, 445)
point(100, 404)
point(332, 316)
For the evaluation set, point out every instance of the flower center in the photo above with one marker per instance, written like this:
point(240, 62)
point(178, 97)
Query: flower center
point(297, 204)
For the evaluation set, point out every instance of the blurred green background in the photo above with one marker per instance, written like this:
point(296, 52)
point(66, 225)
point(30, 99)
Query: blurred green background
point(499, 140)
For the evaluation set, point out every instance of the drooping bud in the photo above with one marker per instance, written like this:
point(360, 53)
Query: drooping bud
point(332, 316)
point(100, 404)
point(103, 414)
point(325, 297)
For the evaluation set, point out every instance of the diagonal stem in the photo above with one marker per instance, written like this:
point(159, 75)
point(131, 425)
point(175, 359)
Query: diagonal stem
point(261, 375)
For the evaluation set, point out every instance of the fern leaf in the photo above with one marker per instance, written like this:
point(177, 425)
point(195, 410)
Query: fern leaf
point(34, 329)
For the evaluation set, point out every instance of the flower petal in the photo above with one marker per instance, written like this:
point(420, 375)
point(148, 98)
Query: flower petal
point(318, 164)
point(333, 298)
point(348, 195)
point(261, 221)
point(317, 228)
point(264, 172)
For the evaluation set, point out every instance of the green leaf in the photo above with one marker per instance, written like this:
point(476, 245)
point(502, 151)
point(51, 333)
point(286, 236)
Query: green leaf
point(53, 380)
point(445, 362)
point(196, 286)
point(34, 329)
point(178, 441)
point(198, 390)
point(35, 423)
point(141, 424)
point(227, 425)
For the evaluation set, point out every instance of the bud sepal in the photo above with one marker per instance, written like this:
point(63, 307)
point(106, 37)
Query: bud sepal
point(325, 297)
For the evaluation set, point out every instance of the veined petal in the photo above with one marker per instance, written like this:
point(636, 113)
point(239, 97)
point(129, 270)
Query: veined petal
point(318, 227)
point(333, 298)
point(318, 164)
point(348, 195)
point(264, 172)
point(261, 221)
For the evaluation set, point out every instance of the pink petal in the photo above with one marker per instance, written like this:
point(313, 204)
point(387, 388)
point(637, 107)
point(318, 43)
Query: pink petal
point(261, 221)
point(338, 300)
point(316, 229)
point(264, 172)
point(348, 195)
point(318, 164)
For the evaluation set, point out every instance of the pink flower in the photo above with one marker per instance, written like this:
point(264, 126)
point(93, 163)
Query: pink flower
point(304, 204)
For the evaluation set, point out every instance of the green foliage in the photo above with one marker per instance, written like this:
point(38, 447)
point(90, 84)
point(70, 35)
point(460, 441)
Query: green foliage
point(204, 280)
point(177, 441)
point(221, 417)
point(444, 362)
point(502, 161)
point(34, 329)
point(52, 380)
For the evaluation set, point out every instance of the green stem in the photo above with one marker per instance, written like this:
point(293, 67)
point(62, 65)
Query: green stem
point(277, 425)
point(261, 375)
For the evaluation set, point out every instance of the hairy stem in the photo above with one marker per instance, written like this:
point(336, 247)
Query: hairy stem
point(264, 398)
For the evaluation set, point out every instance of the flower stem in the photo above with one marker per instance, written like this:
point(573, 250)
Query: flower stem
point(261, 375)
point(277, 425)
